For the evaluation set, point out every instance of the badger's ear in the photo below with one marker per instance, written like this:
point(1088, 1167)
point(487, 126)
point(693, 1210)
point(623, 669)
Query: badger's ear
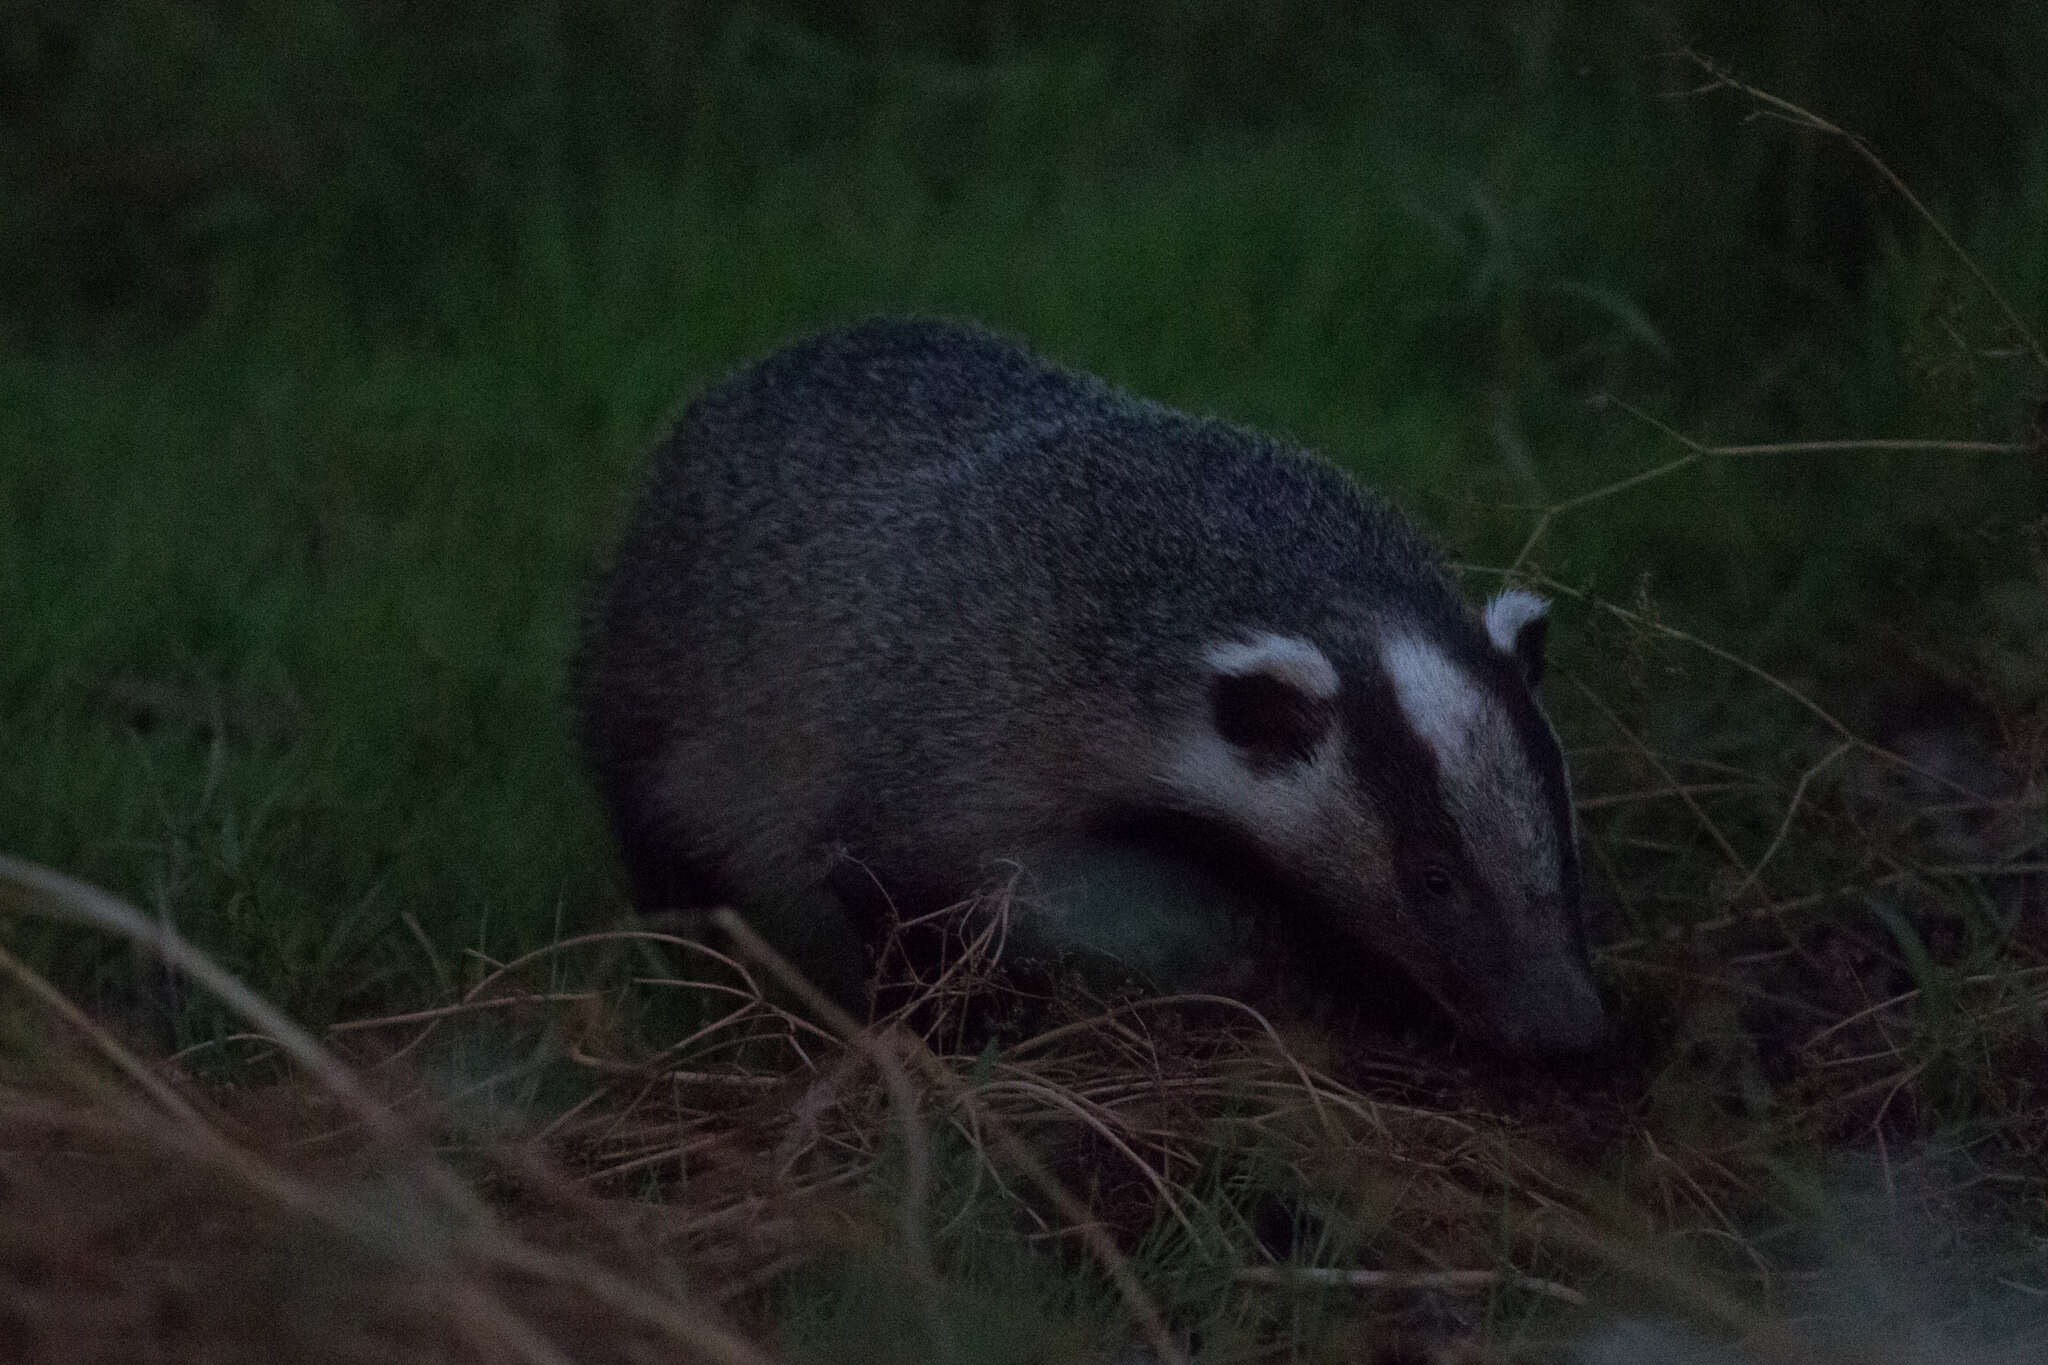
point(1273, 697)
point(1517, 623)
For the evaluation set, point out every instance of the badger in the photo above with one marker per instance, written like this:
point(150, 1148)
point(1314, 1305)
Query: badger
point(904, 608)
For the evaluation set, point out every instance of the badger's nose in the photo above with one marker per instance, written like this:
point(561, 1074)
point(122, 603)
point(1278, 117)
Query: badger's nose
point(1555, 1008)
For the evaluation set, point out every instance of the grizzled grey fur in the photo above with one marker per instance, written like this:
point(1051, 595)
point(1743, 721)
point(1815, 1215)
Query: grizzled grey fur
point(903, 607)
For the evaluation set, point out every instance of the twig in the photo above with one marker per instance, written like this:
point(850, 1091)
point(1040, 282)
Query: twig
point(1438, 1281)
point(1791, 810)
point(465, 1007)
point(1650, 757)
point(1722, 78)
point(1698, 451)
point(1753, 915)
point(1777, 684)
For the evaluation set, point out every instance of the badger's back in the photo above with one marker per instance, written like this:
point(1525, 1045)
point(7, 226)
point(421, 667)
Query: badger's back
point(909, 592)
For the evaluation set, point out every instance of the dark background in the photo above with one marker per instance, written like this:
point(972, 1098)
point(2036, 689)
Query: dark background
point(331, 333)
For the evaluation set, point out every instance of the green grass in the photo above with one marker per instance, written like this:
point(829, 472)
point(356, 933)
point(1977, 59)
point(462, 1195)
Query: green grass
point(288, 595)
point(297, 505)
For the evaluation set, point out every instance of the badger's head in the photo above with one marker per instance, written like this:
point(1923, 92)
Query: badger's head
point(1409, 787)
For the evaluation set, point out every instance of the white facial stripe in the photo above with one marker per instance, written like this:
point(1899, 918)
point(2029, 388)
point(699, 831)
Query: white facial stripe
point(1279, 808)
point(1289, 658)
point(1508, 612)
point(1441, 703)
point(1488, 784)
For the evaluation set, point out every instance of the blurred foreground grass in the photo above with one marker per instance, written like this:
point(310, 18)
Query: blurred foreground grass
point(336, 335)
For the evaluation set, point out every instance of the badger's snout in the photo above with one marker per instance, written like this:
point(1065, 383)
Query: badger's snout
point(1550, 1008)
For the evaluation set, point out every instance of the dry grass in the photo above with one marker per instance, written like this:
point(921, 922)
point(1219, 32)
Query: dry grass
point(347, 1202)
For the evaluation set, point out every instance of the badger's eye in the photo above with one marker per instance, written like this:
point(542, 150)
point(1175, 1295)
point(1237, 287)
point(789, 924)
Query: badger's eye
point(1436, 880)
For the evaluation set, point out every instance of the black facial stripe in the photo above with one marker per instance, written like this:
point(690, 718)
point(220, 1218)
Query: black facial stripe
point(1539, 742)
point(1400, 771)
point(1502, 678)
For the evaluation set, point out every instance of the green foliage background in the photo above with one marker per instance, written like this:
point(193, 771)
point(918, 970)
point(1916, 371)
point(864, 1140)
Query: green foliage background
point(333, 332)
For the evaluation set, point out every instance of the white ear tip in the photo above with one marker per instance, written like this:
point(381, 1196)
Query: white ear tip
point(1508, 613)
